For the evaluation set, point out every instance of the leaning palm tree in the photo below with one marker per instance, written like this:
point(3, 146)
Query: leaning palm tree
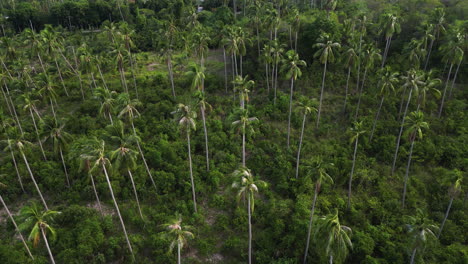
point(29, 105)
point(357, 130)
point(436, 27)
point(10, 145)
point(247, 186)
point(306, 108)
point(130, 112)
point(351, 60)
point(320, 174)
point(336, 237)
point(204, 107)
point(14, 224)
point(37, 221)
point(108, 100)
point(325, 53)
point(244, 126)
point(390, 25)
point(291, 66)
point(178, 235)
point(387, 81)
point(421, 231)
point(186, 119)
point(454, 191)
point(415, 123)
point(97, 154)
point(243, 86)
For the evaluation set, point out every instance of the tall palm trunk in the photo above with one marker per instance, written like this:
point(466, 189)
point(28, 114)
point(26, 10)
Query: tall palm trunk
point(133, 72)
point(453, 81)
point(258, 39)
point(321, 93)
point(95, 193)
point(376, 118)
point(17, 170)
point(37, 134)
point(309, 231)
point(300, 145)
point(401, 132)
point(352, 172)
point(267, 70)
point(64, 166)
point(178, 254)
point(446, 216)
point(429, 53)
point(76, 73)
point(171, 76)
point(407, 173)
point(331, 259)
point(123, 80)
point(387, 47)
point(225, 70)
point(34, 180)
point(61, 77)
point(143, 156)
point(13, 108)
point(402, 103)
point(273, 81)
point(290, 110)
point(191, 172)
point(445, 91)
point(52, 108)
point(360, 93)
point(16, 227)
point(250, 228)
point(117, 209)
point(102, 76)
point(202, 110)
point(47, 245)
point(240, 60)
point(346, 90)
point(243, 149)
point(135, 192)
point(413, 255)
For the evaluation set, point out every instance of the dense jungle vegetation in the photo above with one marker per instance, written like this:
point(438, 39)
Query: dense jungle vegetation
point(243, 131)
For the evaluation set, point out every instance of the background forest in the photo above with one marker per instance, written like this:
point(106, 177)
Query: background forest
point(244, 131)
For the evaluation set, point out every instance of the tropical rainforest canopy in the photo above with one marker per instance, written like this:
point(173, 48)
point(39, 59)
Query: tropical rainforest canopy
point(243, 131)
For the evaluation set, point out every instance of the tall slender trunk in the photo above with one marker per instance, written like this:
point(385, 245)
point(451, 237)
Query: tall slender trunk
point(453, 80)
point(135, 192)
point(309, 231)
point(123, 80)
point(13, 108)
point(234, 6)
point(133, 72)
point(102, 76)
point(407, 173)
point(143, 156)
point(243, 149)
point(273, 80)
point(47, 245)
point(250, 227)
point(300, 145)
point(191, 172)
point(40, 61)
point(445, 91)
point(117, 209)
point(235, 63)
point(401, 131)
point(352, 172)
point(16, 227)
point(266, 74)
point(276, 75)
point(290, 110)
point(403, 96)
point(202, 110)
point(376, 118)
point(178, 254)
point(295, 41)
point(225, 70)
point(241, 64)
point(413, 255)
point(16, 169)
point(34, 181)
point(61, 77)
point(37, 134)
point(346, 90)
point(53, 109)
point(331, 259)
point(64, 166)
point(258, 39)
point(429, 54)
point(389, 41)
point(95, 193)
point(321, 93)
point(360, 94)
point(171, 76)
point(446, 216)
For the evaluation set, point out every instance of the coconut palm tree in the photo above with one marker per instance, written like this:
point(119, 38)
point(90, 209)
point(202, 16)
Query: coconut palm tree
point(351, 60)
point(47, 91)
point(429, 87)
point(291, 67)
point(244, 125)
point(178, 235)
point(421, 231)
point(100, 163)
point(204, 106)
point(15, 225)
point(125, 34)
point(454, 191)
point(412, 81)
point(325, 53)
point(389, 26)
point(166, 53)
point(54, 131)
point(357, 130)
point(437, 27)
point(38, 222)
point(186, 119)
point(336, 237)
point(320, 175)
point(119, 52)
point(130, 112)
point(124, 161)
point(370, 56)
point(108, 100)
point(10, 145)
point(306, 108)
point(243, 85)
point(29, 105)
point(388, 80)
point(277, 51)
point(415, 123)
point(246, 186)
